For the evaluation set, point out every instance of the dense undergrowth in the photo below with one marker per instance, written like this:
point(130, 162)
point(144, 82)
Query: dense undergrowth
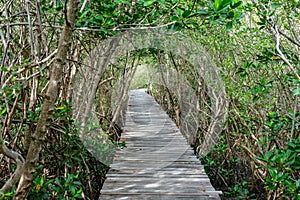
point(66, 168)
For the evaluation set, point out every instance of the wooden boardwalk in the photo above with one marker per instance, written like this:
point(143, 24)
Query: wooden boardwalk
point(157, 162)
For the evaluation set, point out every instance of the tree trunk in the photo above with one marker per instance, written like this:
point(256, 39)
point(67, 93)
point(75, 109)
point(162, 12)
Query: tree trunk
point(49, 100)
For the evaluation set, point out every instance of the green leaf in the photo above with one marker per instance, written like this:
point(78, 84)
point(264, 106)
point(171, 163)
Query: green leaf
point(272, 115)
point(229, 25)
point(4, 69)
point(58, 182)
point(77, 159)
point(276, 5)
point(149, 3)
point(121, 1)
point(77, 183)
point(186, 13)
point(273, 174)
point(230, 15)
point(60, 108)
point(237, 4)
point(217, 4)
point(3, 111)
point(296, 91)
point(203, 12)
point(268, 155)
point(174, 18)
point(84, 13)
point(106, 148)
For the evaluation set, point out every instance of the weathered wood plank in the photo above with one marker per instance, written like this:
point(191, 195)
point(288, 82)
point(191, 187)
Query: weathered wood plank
point(157, 162)
point(165, 196)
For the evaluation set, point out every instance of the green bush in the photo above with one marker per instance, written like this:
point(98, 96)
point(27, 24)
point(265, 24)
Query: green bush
point(66, 187)
point(283, 166)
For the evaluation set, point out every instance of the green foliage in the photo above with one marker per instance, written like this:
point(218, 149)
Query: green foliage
point(282, 164)
point(7, 196)
point(68, 187)
point(226, 172)
point(109, 16)
point(296, 91)
point(222, 12)
point(63, 173)
point(122, 144)
point(240, 191)
point(54, 10)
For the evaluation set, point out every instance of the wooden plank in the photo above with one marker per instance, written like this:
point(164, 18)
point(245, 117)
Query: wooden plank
point(157, 173)
point(177, 194)
point(148, 197)
point(162, 196)
point(155, 179)
point(135, 189)
point(157, 163)
point(157, 176)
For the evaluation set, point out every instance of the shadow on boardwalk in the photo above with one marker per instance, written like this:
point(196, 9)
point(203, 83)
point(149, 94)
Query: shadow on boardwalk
point(157, 162)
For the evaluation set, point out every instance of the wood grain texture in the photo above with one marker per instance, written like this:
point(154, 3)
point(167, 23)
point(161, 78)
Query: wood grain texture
point(157, 162)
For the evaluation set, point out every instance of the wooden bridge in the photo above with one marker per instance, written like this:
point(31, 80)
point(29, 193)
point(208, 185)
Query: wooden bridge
point(157, 162)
